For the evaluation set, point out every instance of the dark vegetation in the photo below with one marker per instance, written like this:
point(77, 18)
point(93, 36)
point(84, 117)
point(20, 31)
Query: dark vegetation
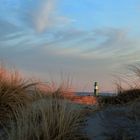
point(122, 98)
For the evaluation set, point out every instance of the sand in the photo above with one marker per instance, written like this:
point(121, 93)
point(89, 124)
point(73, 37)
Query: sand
point(113, 121)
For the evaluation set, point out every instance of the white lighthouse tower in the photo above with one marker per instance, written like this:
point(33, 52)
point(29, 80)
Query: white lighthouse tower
point(96, 89)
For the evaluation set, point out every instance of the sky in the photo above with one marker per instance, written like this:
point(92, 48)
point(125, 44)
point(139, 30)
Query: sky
point(80, 40)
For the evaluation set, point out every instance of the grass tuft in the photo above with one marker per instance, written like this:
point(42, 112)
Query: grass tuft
point(29, 113)
point(13, 93)
point(47, 119)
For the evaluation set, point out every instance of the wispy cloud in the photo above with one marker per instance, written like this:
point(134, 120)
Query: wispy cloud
point(94, 60)
point(7, 28)
point(44, 16)
point(110, 42)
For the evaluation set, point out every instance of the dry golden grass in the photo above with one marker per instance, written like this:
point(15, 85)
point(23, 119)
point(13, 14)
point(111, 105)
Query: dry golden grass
point(47, 119)
point(13, 93)
point(27, 113)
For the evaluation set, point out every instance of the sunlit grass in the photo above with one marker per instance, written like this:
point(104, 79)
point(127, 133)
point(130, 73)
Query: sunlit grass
point(13, 93)
point(28, 113)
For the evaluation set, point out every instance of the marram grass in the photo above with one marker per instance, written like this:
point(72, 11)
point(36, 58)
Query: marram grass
point(13, 93)
point(47, 119)
point(26, 113)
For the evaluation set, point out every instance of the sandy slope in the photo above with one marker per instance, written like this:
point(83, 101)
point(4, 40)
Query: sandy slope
point(115, 122)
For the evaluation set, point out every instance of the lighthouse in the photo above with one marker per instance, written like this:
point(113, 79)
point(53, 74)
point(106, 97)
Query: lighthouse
point(96, 89)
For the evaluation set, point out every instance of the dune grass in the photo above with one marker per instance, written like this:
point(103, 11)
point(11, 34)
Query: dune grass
point(13, 93)
point(27, 113)
point(120, 114)
point(124, 96)
point(47, 119)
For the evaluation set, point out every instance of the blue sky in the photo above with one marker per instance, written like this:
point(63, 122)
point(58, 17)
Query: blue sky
point(88, 40)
